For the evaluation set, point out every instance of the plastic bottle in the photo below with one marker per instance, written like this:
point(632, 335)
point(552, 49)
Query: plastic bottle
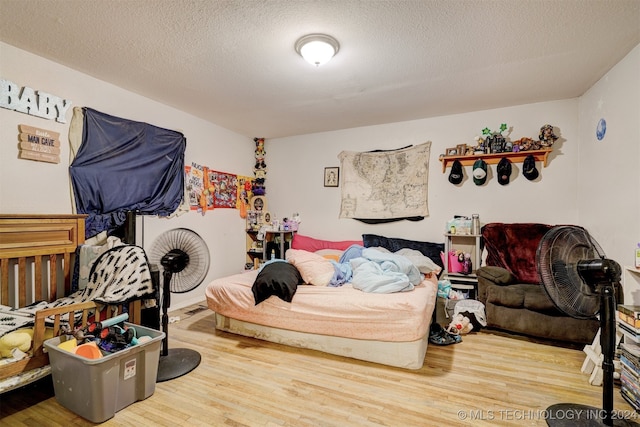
point(273, 254)
point(467, 266)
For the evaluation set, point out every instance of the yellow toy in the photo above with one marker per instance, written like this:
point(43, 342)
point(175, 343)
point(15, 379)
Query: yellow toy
point(19, 339)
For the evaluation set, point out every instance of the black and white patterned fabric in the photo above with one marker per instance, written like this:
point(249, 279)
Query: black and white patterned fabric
point(119, 275)
point(12, 319)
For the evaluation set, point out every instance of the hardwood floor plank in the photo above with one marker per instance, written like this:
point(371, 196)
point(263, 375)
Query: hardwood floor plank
point(489, 379)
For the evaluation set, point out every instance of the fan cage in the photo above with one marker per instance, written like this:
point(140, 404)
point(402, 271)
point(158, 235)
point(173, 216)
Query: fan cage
point(194, 246)
point(558, 255)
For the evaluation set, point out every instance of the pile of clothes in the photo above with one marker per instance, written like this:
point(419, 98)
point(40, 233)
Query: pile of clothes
point(468, 315)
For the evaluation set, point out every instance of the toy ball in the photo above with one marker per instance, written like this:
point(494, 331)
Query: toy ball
point(89, 350)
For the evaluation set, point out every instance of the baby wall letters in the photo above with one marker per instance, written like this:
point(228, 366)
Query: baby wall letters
point(35, 103)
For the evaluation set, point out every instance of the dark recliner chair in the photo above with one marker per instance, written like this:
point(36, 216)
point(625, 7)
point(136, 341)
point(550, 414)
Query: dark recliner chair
point(510, 288)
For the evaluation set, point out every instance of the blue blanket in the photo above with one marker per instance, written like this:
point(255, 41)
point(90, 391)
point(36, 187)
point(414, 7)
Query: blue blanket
point(383, 272)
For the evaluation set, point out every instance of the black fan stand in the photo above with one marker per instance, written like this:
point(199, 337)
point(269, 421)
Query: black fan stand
point(574, 414)
point(174, 362)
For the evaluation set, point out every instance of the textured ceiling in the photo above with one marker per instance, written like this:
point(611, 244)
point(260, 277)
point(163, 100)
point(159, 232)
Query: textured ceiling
point(233, 62)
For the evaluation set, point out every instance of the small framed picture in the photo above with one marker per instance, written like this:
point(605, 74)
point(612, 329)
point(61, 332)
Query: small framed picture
point(258, 204)
point(461, 149)
point(266, 218)
point(453, 151)
point(331, 177)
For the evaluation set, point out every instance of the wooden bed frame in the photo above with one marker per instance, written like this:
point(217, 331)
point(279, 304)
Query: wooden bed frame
point(36, 257)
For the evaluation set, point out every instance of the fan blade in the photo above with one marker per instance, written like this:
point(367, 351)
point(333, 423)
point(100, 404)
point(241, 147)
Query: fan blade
point(188, 271)
point(559, 253)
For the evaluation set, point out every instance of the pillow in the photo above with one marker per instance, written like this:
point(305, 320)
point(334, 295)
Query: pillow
point(88, 253)
point(314, 269)
point(310, 244)
point(498, 275)
point(276, 278)
point(97, 240)
point(425, 264)
point(330, 254)
point(428, 249)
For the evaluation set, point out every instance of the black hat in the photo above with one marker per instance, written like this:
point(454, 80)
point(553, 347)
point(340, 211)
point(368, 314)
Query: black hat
point(455, 177)
point(479, 172)
point(529, 168)
point(504, 171)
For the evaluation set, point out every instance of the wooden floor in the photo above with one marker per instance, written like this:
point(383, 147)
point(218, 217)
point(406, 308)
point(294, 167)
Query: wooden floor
point(488, 379)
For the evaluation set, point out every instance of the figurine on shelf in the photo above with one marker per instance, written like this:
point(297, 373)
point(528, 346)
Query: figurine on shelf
point(526, 144)
point(508, 147)
point(479, 148)
point(547, 137)
point(497, 143)
point(494, 141)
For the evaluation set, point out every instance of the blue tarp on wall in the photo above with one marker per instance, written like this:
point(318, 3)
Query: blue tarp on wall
point(124, 165)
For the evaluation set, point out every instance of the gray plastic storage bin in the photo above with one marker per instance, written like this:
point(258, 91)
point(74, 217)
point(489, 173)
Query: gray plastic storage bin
point(96, 389)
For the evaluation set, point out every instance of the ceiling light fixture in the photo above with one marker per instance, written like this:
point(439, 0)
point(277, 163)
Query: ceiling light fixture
point(317, 49)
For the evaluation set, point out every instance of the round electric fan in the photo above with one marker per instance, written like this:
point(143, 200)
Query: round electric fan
point(184, 258)
point(580, 281)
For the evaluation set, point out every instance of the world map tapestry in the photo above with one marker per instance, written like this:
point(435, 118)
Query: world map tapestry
point(385, 184)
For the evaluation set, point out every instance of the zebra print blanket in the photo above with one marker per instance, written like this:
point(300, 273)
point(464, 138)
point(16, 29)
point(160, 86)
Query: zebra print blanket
point(119, 275)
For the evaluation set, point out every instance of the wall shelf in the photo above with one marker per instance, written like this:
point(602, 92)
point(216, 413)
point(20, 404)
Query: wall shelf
point(631, 282)
point(493, 159)
point(258, 246)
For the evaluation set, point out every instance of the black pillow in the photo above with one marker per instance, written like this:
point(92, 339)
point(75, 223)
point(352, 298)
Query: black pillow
point(428, 249)
point(276, 278)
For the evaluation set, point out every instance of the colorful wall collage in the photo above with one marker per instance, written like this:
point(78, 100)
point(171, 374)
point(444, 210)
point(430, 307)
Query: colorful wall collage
point(209, 189)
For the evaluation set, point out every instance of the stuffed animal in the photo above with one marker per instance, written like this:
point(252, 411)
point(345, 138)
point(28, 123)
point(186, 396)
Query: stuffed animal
point(260, 152)
point(459, 325)
point(547, 136)
point(258, 187)
point(19, 339)
point(260, 169)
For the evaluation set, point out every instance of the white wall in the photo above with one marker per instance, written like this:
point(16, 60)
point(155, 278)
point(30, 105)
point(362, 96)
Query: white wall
point(594, 184)
point(587, 182)
point(296, 165)
point(609, 190)
point(35, 187)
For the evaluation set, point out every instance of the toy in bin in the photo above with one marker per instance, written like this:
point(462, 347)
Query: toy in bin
point(97, 338)
point(96, 389)
point(460, 325)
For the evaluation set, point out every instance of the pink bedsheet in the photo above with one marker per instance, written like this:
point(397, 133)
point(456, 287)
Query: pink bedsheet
point(343, 311)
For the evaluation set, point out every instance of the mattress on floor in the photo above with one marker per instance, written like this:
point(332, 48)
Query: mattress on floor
point(335, 311)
